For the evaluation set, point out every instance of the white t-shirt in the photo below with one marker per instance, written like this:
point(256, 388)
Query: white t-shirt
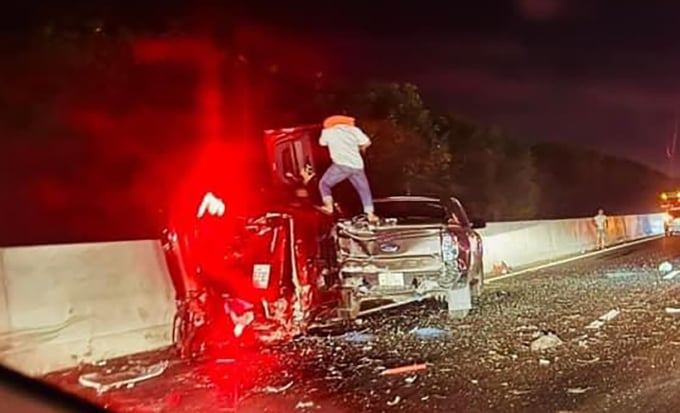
point(343, 144)
point(600, 221)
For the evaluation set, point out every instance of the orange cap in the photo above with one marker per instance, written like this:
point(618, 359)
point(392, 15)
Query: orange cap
point(331, 121)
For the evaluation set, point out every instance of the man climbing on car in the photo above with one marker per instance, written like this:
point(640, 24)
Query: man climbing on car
point(345, 143)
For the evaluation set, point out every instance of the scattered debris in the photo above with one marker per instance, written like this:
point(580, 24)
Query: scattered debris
point(621, 274)
point(543, 362)
point(358, 337)
point(545, 342)
point(665, 267)
point(519, 392)
point(671, 275)
point(129, 377)
point(427, 333)
point(394, 401)
point(672, 310)
point(404, 369)
point(609, 316)
point(272, 389)
point(411, 380)
point(591, 361)
point(578, 390)
point(304, 405)
point(500, 268)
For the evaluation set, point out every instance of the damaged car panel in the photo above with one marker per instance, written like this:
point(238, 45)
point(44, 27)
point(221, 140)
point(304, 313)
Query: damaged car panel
point(425, 247)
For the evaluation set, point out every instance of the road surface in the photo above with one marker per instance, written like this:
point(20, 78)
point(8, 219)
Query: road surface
point(484, 364)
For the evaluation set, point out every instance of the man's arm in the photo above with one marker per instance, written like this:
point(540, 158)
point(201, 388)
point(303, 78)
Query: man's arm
point(362, 140)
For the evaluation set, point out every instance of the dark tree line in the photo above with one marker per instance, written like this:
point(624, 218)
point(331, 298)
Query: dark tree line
point(93, 141)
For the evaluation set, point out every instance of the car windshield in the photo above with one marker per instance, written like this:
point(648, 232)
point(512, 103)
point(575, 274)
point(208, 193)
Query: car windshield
point(411, 211)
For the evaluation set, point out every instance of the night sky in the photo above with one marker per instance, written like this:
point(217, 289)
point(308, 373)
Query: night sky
point(596, 73)
point(600, 73)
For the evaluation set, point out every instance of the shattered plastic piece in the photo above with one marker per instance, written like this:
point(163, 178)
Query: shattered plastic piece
point(671, 275)
point(672, 310)
point(272, 389)
point(543, 362)
point(136, 374)
point(404, 369)
point(427, 333)
point(358, 337)
point(665, 267)
point(394, 401)
point(578, 390)
point(610, 315)
point(545, 342)
point(410, 380)
point(304, 405)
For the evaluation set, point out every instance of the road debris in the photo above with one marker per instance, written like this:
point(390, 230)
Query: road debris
point(543, 362)
point(394, 401)
point(274, 390)
point(578, 390)
point(358, 337)
point(428, 333)
point(609, 316)
point(672, 310)
point(127, 377)
point(411, 380)
point(671, 275)
point(404, 369)
point(665, 267)
point(545, 342)
point(304, 405)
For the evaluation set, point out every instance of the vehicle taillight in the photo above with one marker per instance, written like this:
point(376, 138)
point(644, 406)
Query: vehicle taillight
point(450, 248)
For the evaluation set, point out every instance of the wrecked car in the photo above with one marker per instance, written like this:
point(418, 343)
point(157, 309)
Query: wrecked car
point(269, 275)
point(424, 247)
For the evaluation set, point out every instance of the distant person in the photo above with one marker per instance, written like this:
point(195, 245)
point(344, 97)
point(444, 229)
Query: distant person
point(600, 221)
point(345, 143)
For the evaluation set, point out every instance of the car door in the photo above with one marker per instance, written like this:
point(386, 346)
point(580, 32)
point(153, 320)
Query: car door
point(290, 149)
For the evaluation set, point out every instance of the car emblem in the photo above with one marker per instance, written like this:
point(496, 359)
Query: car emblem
point(389, 247)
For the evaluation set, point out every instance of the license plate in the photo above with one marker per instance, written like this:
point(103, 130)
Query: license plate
point(391, 279)
point(261, 274)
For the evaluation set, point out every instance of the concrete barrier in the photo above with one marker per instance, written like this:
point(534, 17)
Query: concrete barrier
point(61, 305)
point(65, 304)
point(520, 244)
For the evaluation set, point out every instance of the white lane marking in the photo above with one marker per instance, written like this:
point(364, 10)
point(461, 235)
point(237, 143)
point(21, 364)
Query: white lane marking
point(608, 316)
point(571, 259)
point(671, 274)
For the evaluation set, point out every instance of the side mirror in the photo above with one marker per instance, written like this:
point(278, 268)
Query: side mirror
point(478, 223)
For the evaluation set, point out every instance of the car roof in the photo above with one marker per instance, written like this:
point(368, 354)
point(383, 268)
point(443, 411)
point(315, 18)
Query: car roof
point(407, 198)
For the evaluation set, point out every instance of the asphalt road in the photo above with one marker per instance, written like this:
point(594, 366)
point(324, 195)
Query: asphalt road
point(484, 363)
